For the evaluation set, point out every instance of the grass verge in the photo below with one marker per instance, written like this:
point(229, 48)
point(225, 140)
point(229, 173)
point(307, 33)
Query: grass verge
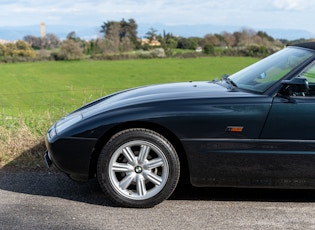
point(21, 148)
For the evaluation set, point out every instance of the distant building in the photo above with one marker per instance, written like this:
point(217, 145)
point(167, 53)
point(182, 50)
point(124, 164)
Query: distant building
point(199, 49)
point(42, 30)
point(154, 42)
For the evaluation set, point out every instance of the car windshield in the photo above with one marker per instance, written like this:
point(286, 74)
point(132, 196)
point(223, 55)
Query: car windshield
point(261, 75)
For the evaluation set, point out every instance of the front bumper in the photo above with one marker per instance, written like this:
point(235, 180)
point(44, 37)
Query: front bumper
point(70, 155)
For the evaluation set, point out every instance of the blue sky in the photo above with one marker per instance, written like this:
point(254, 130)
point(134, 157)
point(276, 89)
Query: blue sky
point(255, 14)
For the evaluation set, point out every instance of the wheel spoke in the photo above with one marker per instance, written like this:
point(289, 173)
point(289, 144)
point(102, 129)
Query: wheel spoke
point(124, 183)
point(141, 189)
point(118, 167)
point(157, 162)
point(155, 179)
point(144, 152)
point(128, 153)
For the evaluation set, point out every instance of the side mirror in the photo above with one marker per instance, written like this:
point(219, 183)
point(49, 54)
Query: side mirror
point(294, 86)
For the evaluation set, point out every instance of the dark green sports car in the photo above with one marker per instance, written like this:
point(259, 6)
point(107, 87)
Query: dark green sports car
point(255, 128)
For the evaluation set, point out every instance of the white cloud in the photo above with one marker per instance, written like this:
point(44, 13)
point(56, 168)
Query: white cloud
point(297, 5)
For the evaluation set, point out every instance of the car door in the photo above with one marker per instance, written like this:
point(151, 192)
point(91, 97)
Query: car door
point(288, 137)
point(222, 149)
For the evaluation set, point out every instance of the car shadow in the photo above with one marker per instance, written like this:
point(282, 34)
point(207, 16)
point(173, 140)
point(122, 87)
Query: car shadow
point(188, 192)
point(51, 183)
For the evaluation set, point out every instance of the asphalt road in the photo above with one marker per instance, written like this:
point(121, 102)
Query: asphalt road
point(46, 200)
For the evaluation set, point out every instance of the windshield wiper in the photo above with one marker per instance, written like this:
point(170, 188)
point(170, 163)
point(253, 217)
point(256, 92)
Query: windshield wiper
point(228, 80)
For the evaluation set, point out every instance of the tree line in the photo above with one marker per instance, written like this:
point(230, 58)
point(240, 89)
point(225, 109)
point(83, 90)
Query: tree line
point(120, 40)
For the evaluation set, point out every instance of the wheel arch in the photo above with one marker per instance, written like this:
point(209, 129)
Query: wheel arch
point(170, 136)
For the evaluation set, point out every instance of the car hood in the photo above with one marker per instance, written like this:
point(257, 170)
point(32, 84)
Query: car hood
point(148, 97)
point(161, 92)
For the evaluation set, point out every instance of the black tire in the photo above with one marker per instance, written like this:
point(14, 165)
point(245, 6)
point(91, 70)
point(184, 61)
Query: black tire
point(138, 168)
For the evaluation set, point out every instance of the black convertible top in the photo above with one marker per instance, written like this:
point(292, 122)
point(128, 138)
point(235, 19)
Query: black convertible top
point(308, 45)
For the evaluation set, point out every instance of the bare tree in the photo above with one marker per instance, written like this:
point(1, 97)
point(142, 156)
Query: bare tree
point(229, 38)
point(50, 41)
point(211, 40)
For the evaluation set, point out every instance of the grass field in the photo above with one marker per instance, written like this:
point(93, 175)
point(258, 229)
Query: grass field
point(33, 89)
point(34, 95)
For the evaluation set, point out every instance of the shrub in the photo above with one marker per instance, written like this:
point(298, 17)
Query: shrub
point(209, 49)
point(70, 50)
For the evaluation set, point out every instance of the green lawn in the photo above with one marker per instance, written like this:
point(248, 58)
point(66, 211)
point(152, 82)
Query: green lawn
point(44, 91)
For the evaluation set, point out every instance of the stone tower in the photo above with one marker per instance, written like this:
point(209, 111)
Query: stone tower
point(42, 30)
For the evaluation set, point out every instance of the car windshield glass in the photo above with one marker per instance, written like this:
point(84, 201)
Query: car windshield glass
point(261, 75)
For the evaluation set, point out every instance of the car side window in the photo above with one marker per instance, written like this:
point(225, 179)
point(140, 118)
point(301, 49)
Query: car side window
point(309, 74)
